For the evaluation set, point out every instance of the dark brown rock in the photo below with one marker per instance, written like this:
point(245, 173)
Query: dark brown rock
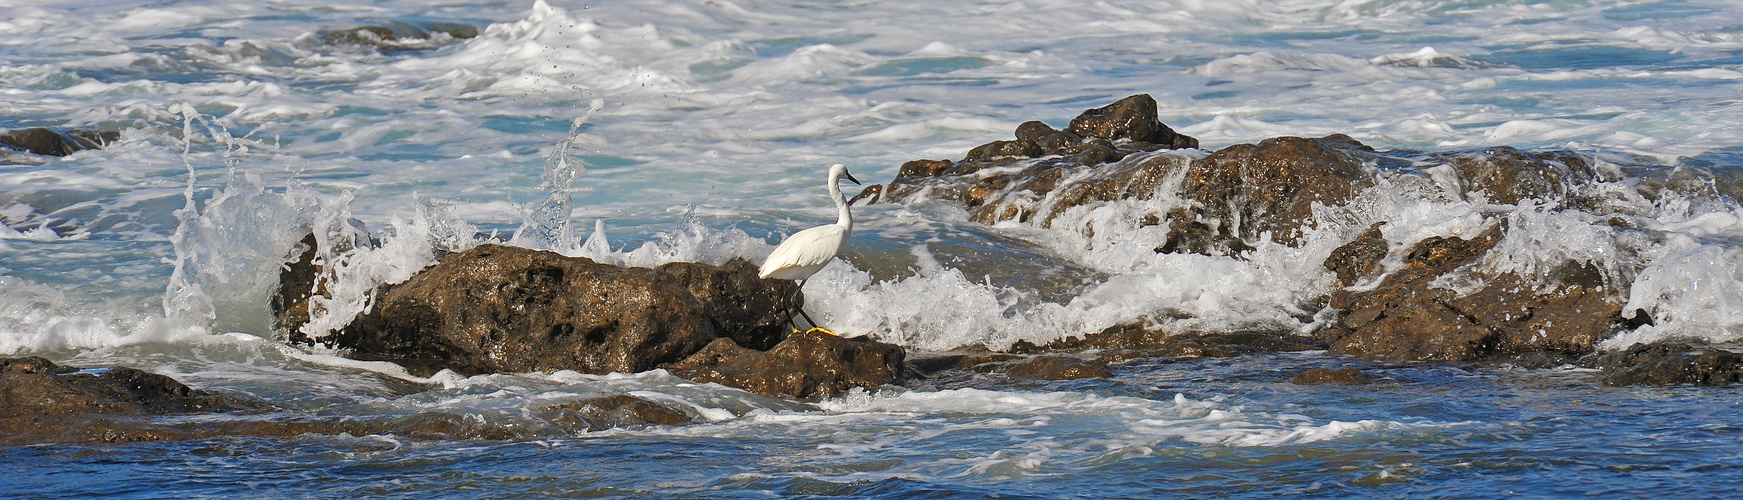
point(1249, 190)
point(1508, 175)
point(37, 387)
point(1672, 363)
point(1241, 193)
point(806, 364)
point(1359, 258)
point(931, 363)
point(507, 309)
point(41, 401)
point(622, 410)
point(1318, 376)
point(296, 283)
point(53, 142)
point(1132, 118)
point(1140, 342)
point(997, 149)
point(1407, 318)
point(1042, 157)
point(395, 35)
point(1056, 368)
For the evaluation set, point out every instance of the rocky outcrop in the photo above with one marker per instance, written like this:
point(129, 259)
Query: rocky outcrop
point(1247, 192)
point(1006, 180)
point(806, 364)
point(56, 142)
point(1236, 196)
point(1409, 315)
point(508, 309)
point(1672, 363)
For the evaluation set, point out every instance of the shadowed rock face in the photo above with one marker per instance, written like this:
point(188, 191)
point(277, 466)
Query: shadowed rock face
point(53, 142)
point(508, 309)
point(806, 364)
point(1673, 363)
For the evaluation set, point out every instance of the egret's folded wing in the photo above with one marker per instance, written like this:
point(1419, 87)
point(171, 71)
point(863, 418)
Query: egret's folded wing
point(811, 247)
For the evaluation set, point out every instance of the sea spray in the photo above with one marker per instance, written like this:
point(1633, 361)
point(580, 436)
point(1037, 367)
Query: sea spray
point(546, 226)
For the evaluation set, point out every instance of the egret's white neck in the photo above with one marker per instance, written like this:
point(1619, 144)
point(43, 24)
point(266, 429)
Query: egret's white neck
point(843, 217)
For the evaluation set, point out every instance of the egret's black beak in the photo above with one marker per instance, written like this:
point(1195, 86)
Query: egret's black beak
point(850, 176)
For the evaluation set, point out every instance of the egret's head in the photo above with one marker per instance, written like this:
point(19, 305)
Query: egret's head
point(838, 171)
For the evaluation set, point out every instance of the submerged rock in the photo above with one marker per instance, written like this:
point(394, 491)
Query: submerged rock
point(806, 364)
point(398, 34)
point(1054, 367)
point(57, 142)
point(508, 309)
point(1673, 363)
point(622, 410)
point(1319, 376)
point(35, 386)
point(41, 401)
point(1128, 341)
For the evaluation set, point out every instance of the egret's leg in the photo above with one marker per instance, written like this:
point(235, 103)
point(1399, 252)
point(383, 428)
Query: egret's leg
point(792, 302)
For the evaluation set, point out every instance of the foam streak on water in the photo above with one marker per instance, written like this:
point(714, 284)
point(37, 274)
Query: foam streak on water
point(699, 131)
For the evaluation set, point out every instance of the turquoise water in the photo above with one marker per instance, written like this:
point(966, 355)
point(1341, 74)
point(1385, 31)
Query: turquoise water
point(715, 122)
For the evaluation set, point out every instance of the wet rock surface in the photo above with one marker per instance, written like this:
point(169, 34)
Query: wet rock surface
point(398, 34)
point(622, 410)
point(1130, 341)
point(1317, 376)
point(806, 364)
point(1410, 315)
point(1056, 368)
point(1010, 180)
point(1247, 191)
point(41, 401)
point(34, 386)
point(508, 309)
point(1360, 258)
point(1236, 196)
point(55, 141)
point(1672, 363)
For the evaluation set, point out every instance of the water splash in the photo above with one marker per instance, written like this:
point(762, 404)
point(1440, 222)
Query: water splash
point(546, 226)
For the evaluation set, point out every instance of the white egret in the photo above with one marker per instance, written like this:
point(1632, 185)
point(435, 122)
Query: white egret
point(807, 251)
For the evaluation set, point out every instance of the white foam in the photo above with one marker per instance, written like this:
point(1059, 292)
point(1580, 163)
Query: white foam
point(1692, 292)
point(1130, 421)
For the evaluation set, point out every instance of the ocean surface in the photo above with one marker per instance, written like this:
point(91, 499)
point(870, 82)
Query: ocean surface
point(647, 132)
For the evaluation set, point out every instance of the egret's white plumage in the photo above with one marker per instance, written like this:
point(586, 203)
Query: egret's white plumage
point(807, 251)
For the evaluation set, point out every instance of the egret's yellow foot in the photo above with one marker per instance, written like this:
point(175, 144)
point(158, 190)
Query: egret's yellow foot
point(824, 330)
